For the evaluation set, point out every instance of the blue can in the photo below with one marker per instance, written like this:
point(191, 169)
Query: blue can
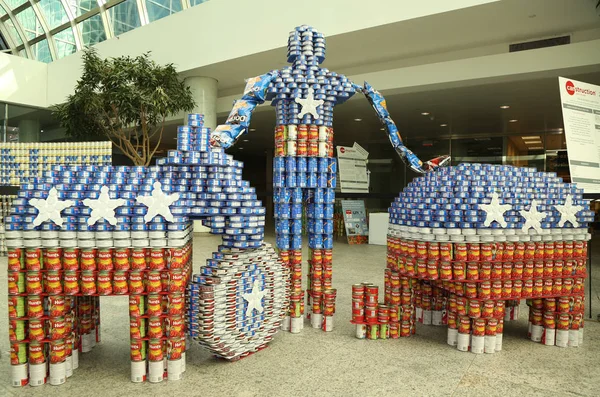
point(302, 180)
point(284, 211)
point(290, 164)
point(331, 180)
point(278, 179)
point(312, 165)
point(296, 242)
point(297, 196)
point(322, 180)
point(315, 241)
point(282, 227)
point(332, 165)
point(291, 179)
point(312, 179)
point(316, 211)
point(279, 164)
point(319, 197)
point(296, 211)
point(302, 164)
point(323, 164)
point(327, 241)
point(283, 242)
point(328, 226)
point(296, 226)
point(329, 196)
point(318, 226)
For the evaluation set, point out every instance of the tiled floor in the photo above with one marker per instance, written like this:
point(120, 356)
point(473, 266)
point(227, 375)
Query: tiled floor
point(335, 364)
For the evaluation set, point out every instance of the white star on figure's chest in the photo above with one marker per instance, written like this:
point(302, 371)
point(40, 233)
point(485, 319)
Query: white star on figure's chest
point(309, 104)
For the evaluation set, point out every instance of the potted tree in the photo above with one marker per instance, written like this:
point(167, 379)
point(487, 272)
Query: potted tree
point(125, 99)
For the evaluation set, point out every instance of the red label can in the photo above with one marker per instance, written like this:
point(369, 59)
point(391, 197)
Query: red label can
point(36, 330)
point(88, 283)
point(175, 304)
point(105, 259)
point(33, 259)
point(158, 261)
point(138, 259)
point(57, 351)
point(136, 282)
point(15, 259)
point(155, 328)
point(155, 350)
point(154, 307)
point(71, 283)
point(88, 259)
point(70, 259)
point(52, 259)
point(56, 306)
point(37, 354)
point(137, 327)
point(34, 283)
point(176, 281)
point(153, 283)
point(121, 259)
point(56, 328)
point(120, 286)
point(104, 285)
point(53, 283)
point(175, 348)
point(174, 327)
point(35, 307)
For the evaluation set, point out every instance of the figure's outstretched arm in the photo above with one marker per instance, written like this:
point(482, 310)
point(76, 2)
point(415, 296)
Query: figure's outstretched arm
point(238, 122)
point(408, 157)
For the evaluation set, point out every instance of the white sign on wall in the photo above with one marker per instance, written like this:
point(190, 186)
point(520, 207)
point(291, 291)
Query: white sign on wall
point(352, 166)
point(581, 115)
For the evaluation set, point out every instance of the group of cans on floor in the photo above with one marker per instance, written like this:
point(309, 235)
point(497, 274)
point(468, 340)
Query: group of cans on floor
point(54, 308)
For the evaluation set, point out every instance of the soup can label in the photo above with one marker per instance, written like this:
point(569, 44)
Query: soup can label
point(137, 327)
point(120, 286)
point(70, 259)
point(136, 282)
point(104, 283)
point(174, 327)
point(56, 328)
point(37, 354)
point(71, 283)
point(88, 283)
point(53, 283)
point(121, 259)
point(57, 351)
point(33, 259)
point(88, 259)
point(138, 350)
point(175, 348)
point(154, 283)
point(154, 307)
point(155, 328)
point(16, 260)
point(18, 353)
point(155, 350)
point(34, 283)
point(56, 306)
point(158, 261)
point(52, 259)
point(16, 307)
point(105, 262)
point(175, 304)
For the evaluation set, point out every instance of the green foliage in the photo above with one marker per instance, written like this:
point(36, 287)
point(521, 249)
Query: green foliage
point(126, 100)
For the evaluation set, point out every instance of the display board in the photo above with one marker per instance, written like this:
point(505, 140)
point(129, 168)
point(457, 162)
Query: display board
point(581, 116)
point(352, 161)
point(355, 221)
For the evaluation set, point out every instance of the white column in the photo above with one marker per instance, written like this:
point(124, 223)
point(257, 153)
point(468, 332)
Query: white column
point(204, 90)
point(29, 131)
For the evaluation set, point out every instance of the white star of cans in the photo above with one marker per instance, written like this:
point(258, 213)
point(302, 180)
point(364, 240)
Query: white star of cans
point(309, 104)
point(533, 218)
point(495, 211)
point(254, 298)
point(568, 212)
point(50, 208)
point(158, 203)
point(103, 207)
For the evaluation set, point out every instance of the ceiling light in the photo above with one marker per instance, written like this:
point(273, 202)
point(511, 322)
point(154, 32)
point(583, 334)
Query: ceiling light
point(357, 119)
point(513, 121)
point(241, 148)
point(382, 129)
point(444, 125)
point(252, 129)
point(525, 138)
point(244, 140)
point(424, 113)
point(536, 148)
point(533, 142)
point(504, 107)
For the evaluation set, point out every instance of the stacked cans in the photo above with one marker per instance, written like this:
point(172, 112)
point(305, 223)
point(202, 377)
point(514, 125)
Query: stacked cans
point(467, 241)
point(19, 162)
point(320, 293)
point(237, 301)
point(303, 141)
point(194, 136)
point(5, 201)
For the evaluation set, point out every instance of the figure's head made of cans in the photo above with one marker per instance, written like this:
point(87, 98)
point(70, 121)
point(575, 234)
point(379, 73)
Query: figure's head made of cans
point(305, 43)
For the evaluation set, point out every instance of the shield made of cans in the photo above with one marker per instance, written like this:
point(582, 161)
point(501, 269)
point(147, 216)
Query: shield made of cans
point(238, 312)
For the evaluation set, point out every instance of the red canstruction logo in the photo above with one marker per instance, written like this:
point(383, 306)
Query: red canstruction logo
point(572, 89)
point(343, 150)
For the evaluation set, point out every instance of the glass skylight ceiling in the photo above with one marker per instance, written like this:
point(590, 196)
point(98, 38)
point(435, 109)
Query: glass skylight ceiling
point(47, 30)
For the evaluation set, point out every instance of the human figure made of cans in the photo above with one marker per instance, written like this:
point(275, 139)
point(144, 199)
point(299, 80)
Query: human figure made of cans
point(304, 168)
